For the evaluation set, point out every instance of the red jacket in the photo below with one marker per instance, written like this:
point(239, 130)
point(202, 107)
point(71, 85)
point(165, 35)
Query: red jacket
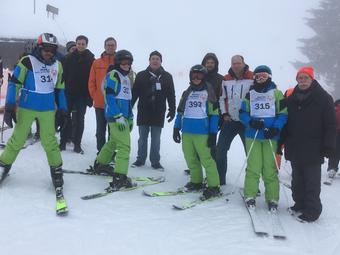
point(97, 75)
point(337, 114)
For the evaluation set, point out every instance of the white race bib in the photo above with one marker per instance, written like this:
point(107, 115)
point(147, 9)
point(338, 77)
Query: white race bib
point(262, 105)
point(45, 76)
point(196, 105)
point(125, 90)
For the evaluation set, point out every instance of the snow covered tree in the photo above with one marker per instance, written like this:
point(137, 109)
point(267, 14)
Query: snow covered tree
point(323, 49)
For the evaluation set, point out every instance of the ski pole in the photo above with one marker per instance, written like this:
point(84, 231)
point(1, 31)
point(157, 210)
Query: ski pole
point(277, 167)
point(244, 164)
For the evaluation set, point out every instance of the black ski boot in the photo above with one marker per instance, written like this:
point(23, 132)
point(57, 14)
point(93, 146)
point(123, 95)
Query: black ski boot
point(250, 202)
point(210, 192)
point(190, 186)
point(120, 181)
point(57, 176)
point(4, 169)
point(272, 206)
point(102, 169)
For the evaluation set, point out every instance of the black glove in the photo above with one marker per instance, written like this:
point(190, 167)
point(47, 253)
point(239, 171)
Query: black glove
point(327, 152)
point(10, 115)
point(271, 132)
point(212, 140)
point(256, 124)
point(61, 118)
point(176, 135)
point(89, 102)
point(170, 116)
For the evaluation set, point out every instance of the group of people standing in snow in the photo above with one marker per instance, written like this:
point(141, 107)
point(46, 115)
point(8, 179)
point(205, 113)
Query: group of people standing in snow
point(243, 103)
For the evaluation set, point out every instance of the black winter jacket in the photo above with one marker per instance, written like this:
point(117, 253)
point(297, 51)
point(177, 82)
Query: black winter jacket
point(213, 77)
point(311, 126)
point(77, 67)
point(152, 100)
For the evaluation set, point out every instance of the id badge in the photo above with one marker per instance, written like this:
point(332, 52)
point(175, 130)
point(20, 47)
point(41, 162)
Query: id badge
point(158, 86)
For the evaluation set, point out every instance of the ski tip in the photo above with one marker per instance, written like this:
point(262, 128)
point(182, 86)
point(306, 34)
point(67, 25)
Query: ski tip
point(176, 207)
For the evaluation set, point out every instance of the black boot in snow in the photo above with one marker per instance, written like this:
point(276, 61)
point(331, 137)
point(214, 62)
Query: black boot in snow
point(4, 169)
point(102, 169)
point(190, 186)
point(210, 192)
point(250, 202)
point(57, 176)
point(120, 181)
point(272, 206)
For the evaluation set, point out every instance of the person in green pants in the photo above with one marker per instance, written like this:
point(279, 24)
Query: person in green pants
point(118, 112)
point(263, 118)
point(38, 78)
point(197, 117)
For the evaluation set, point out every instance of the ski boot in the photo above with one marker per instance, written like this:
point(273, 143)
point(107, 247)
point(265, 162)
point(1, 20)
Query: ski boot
point(210, 192)
point(138, 163)
point(57, 176)
point(331, 173)
point(120, 181)
point(272, 206)
point(101, 169)
point(192, 187)
point(4, 169)
point(250, 202)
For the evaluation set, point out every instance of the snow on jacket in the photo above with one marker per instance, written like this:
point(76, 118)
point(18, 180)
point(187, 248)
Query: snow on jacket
point(117, 92)
point(39, 85)
point(97, 74)
point(233, 92)
point(277, 116)
point(196, 112)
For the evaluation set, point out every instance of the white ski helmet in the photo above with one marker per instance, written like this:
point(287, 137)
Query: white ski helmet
point(47, 40)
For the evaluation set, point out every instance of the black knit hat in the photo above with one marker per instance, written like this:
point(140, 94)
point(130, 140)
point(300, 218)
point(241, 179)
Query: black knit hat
point(69, 45)
point(156, 53)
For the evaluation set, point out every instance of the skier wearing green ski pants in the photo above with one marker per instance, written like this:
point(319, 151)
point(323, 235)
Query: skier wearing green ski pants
point(197, 117)
point(118, 112)
point(263, 118)
point(37, 79)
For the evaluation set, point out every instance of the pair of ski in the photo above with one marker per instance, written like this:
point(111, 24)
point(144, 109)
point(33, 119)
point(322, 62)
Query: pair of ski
point(260, 228)
point(147, 181)
point(181, 191)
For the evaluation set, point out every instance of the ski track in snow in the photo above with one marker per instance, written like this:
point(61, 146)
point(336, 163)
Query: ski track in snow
point(130, 223)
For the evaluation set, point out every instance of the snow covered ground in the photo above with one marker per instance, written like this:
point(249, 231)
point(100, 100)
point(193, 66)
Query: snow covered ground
point(130, 223)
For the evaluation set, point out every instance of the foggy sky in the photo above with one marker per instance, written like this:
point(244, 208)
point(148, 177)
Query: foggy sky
point(263, 31)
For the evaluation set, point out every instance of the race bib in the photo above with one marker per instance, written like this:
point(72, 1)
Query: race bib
point(125, 91)
point(45, 76)
point(262, 105)
point(196, 105)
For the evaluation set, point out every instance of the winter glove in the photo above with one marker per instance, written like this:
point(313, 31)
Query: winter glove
point(327, 152)
point(256, 124)
point(121, 123)
point(212, 140)
point(170, 116)
point(89, 102)
point(130, 125)
point(271, 132)
point(61, 118)
point(176, 135)
point(10, 115)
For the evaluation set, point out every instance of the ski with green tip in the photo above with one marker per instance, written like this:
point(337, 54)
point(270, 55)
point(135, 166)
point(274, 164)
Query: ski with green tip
point(193, 203)
point(109, 190)
point(180, 191)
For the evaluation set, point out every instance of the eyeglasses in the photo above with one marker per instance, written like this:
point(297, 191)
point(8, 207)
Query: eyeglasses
point(197, 76)
point(261, 76)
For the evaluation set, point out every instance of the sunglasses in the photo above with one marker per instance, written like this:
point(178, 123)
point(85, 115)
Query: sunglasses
point(197, 76)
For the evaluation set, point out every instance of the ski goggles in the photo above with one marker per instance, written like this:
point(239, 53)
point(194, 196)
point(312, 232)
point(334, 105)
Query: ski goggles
point(197, 76)
point(262, 76)
point(125, 63)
